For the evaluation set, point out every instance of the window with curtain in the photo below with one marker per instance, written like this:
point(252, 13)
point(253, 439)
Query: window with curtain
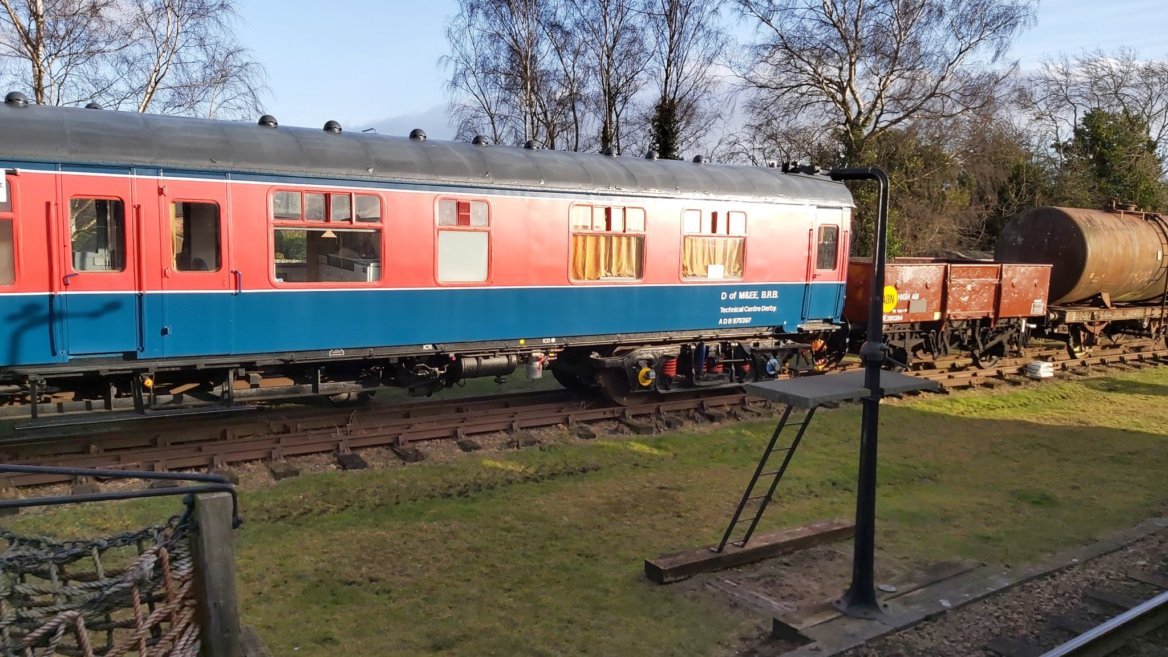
point(714, 246)
point(608, 243)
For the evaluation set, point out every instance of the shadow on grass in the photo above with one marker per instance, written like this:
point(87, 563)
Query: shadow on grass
point(1127, 387)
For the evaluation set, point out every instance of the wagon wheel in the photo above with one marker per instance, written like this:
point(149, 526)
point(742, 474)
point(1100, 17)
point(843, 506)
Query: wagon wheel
point(614, 386)
point(896, 358)
point(1077, 346)
point(990, 356)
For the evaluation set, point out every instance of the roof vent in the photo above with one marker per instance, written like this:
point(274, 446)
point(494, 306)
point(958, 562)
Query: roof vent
point(651, 154)
point(608, 152)
point(92, 105)
point(16, 99)
point(269, 121)
point(531, 145)
point(480, 140)
point(332, 127)
point(698, 159)
point(417, 134)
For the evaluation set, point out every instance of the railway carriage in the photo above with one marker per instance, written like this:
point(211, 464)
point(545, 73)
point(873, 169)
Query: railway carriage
point(151, 260)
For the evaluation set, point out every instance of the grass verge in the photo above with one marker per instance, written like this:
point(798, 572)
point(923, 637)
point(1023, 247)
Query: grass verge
point(539, 552)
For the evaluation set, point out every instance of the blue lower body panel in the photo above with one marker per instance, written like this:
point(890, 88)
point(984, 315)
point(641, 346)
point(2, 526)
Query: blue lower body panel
point(178, 324)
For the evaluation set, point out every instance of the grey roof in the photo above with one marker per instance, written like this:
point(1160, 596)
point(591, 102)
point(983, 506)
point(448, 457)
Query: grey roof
point(84, 136)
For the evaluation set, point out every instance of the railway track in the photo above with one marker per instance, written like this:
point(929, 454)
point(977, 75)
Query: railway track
point(273, 435)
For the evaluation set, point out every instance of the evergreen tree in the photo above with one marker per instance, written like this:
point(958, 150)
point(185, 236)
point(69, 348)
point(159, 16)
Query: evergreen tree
point(1111, 156)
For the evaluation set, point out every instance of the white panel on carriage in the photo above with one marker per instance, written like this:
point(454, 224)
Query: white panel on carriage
point(462, 256)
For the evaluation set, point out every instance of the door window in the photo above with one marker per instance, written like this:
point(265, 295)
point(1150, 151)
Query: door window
point(827, 256)
point(97, 229)
point(195, 236)
point(7, 253)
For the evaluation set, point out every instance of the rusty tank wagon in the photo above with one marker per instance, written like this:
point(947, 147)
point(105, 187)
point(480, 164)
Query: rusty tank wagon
point(1109, 271)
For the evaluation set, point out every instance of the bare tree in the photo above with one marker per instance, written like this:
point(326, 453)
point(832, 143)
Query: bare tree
point(165, 56)
point(506, 71)
point(1065, 89)
point(183, 59)
point(56, 47)
point(612, 34)
point(865, 67)
point(686, 43)
point(478, 98)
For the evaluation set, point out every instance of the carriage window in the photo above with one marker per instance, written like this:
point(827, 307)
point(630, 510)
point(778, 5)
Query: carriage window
point(464, 241)
point(286, 205)
point(327, 255)
point(608, 243)
point(342, 207)
point(714, 245)
point(826, 258)
point(7, 253)
point(314, 238)
point(5, 201)
point(368, 208)
point(314, 207)
point(296, 206)
point(98, 234)
point(195, 236)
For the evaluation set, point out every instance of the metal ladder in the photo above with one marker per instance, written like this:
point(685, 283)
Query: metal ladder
point(759, 502)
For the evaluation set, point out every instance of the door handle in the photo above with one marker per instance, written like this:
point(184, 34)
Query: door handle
point(238, 280)
point(67, 277)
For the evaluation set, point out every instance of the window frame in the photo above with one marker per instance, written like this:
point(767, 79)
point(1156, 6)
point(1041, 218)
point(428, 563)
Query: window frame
point(723, 218)
point(220, 249)
point(489, 229)
point(125, 245)
point(351, 225)
point(643, 233)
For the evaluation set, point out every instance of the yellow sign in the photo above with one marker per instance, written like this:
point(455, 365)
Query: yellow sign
point(889, 298)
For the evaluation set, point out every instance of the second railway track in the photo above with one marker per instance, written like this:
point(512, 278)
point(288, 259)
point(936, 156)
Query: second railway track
point(273, 434)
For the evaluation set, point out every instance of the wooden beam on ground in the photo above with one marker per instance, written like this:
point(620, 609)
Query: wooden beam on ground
point(675, 567)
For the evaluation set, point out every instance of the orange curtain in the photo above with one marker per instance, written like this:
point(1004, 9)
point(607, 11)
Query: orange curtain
point(698, 253)
point(606, 256)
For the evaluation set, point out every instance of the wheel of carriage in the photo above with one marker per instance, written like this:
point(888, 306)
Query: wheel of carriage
point(573, 381)
point(351, 398)
point(615, 387)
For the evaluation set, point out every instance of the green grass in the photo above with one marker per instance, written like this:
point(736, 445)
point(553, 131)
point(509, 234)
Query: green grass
point(539, 552)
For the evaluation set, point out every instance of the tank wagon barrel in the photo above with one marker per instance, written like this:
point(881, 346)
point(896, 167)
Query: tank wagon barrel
point(1093, 252)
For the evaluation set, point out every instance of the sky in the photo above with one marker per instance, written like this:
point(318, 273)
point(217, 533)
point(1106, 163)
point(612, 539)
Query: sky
point(377, 62)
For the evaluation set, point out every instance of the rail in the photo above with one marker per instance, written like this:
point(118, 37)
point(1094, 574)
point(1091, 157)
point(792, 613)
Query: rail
point(1116, 632)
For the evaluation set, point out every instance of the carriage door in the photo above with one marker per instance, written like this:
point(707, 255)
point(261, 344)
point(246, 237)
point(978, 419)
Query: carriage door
point(197, 281)
point(822, 301)
point(100, 275)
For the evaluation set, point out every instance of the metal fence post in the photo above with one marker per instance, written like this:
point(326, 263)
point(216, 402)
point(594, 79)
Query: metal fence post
point(214, 555)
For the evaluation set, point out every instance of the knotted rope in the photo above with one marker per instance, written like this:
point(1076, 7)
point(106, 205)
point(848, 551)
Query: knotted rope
point(130, 594)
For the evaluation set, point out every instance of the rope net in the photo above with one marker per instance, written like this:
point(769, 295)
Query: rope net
point(129, 594)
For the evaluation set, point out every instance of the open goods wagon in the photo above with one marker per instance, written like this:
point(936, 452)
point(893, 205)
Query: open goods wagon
point(934, 308)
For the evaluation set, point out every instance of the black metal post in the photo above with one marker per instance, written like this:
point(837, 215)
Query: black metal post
point(860, 599)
